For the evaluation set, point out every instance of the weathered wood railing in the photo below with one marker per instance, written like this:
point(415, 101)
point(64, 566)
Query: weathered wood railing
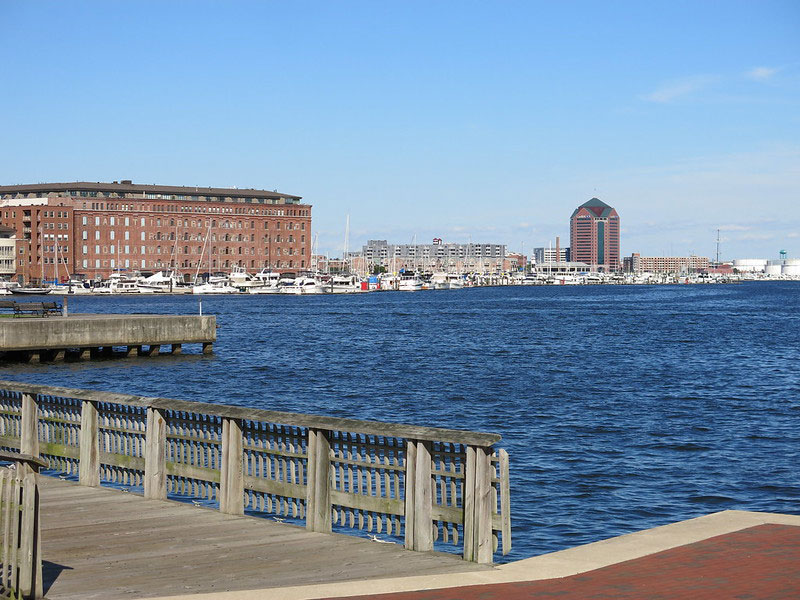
point(21, 555)
point(419, 483)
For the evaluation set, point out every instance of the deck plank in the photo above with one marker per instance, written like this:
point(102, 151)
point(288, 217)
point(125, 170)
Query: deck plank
point(103, 543)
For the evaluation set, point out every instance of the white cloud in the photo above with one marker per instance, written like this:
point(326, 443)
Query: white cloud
point(732, 227)
point(761, 73)
point(757, 236)
point(793, 235)
point(674, 90)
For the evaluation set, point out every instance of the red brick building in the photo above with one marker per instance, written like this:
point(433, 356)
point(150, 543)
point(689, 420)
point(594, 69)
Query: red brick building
point(94, 229)
point(594, 236)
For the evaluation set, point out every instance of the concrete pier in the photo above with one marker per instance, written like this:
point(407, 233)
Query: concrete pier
point(83, 335)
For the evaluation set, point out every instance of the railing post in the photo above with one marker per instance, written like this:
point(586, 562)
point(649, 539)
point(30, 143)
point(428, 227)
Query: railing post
point(419, 496)
point(477, 507)
point(155, 455)
point(29, 427)
point(318, 490)
point(30, 559)
point(89, 466)
point(231, 480)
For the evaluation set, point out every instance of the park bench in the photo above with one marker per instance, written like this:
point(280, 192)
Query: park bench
point(7, 306)
point(36, 309)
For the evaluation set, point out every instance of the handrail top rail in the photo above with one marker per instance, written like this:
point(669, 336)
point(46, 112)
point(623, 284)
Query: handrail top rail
point(379, 428)
point(33, 461)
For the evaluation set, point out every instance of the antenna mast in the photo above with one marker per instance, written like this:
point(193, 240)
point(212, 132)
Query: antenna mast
point(717, 246)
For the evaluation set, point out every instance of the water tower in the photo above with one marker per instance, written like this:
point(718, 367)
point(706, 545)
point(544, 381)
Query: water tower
point(783, 254)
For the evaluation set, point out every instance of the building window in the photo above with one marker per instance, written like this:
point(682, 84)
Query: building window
point(97, 235)
point(84, 220)
point(97, 221)
point(112, 235)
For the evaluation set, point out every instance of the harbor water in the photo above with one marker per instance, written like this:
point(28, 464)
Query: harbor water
point(622, 407)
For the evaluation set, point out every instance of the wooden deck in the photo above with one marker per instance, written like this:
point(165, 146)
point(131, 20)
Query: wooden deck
point(104, 543)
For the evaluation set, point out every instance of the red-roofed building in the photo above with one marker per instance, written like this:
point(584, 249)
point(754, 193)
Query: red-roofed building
point(594, 235)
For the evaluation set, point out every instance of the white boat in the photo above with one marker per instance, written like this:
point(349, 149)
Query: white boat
point(566, 279)
point(33, 291)
point(343, 284)
point(74, 287)
point(454, 281)
point(5, 287)
point(303, 286)
point(268, 282)
point(161, 283)
point(439, 281)
point(117, 284)
point(409, 282)
point(214, 287)
point(241, 279)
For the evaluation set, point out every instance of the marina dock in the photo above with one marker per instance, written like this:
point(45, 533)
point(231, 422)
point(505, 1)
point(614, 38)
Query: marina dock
point(81, 336)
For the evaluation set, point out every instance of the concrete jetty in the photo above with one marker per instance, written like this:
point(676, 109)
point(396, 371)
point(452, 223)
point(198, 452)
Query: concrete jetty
point(89, 335)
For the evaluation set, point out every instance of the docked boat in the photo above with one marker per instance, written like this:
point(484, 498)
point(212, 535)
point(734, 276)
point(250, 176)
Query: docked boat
point(303, 286)
point(31, 291)
point(214, 287)
point(268, 282)
point(343, 284)
point(117, 284)
point(162, 282)
point(241, 279)
point(439, 281)
point(409, 282)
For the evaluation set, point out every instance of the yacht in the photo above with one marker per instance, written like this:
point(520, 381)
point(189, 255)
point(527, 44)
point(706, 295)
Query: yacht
point(241, 279)
point(268, 282)
point(214, 287)
point(343, 284)
point(117, 283)
point(409, 282)
point(160, 283)
point(439, 281)
point(303, 285)
point(454, 282)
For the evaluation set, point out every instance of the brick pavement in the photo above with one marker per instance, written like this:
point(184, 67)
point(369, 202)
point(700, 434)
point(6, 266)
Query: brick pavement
point(757, 563)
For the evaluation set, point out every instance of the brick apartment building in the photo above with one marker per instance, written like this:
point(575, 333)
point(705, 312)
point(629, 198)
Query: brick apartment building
point(594, 236)
point(94, 229)
point(635, 263)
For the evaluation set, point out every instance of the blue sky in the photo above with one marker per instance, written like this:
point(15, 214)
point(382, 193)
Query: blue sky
point(488, 121)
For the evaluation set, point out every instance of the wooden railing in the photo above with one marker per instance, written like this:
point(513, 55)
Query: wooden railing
point(420, 484)
point(21, 569)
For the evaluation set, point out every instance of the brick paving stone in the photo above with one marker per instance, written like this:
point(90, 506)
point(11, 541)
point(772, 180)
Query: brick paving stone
point(757, 563)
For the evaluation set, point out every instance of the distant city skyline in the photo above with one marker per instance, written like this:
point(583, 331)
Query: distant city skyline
point(461, 121)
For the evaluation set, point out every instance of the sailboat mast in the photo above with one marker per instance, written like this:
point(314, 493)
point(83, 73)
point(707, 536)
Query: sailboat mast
point(346, 245)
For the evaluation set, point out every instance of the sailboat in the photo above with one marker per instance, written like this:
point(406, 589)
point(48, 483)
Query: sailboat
point(210, 286)
point(36, 290)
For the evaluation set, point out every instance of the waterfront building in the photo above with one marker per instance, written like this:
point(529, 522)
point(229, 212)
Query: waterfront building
point(635, 263)
point(515, 261)
point(8, 246)
point(550, 255)
point(438, 256)
point(594, 236)
point(94, 229)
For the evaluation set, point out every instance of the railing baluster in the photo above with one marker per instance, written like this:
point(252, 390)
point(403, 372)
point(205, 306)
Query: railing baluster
point(29, 434)
point(231, 480)
point(155, 455)
point(419, 496)
point(318, 490)
point(89, 466)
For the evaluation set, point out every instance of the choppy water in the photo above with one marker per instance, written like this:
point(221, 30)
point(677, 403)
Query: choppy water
point(622, 407)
